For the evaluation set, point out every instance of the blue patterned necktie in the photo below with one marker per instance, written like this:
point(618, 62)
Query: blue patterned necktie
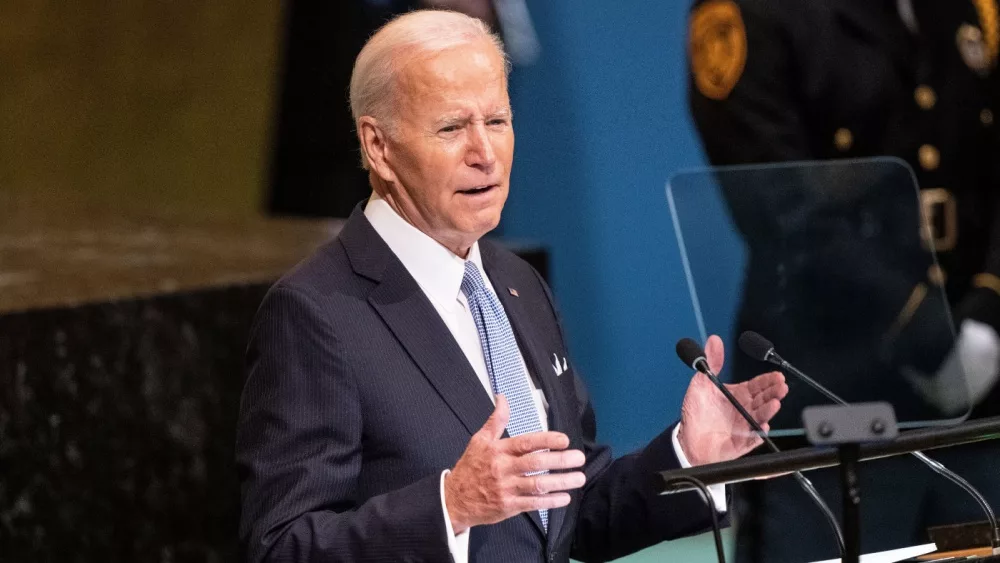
point(503, 359)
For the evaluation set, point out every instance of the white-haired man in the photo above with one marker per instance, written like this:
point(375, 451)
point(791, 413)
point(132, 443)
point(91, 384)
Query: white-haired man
point(409, 396)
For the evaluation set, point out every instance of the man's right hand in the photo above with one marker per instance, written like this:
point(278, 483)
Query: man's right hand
point(490, 482)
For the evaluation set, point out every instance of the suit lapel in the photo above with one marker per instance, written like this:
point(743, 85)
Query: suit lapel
point(415, 323)
point(530, 342)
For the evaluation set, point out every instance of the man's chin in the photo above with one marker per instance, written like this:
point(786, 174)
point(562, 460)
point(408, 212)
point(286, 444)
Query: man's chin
point(487, 224)
point(480, 221)
point(472, 232)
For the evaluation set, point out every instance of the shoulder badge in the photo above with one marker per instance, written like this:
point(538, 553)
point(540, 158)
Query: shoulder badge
point(717, 46)
point(980, 46)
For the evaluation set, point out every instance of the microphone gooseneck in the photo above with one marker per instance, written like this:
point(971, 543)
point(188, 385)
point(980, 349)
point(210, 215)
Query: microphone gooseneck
point(752, 343)
point(693, 356)
point(720, 551)
point(761, 349)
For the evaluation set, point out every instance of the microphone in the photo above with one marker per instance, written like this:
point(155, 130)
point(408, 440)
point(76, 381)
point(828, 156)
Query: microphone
point(760, 348)
point(757, 347)
point(693, 356)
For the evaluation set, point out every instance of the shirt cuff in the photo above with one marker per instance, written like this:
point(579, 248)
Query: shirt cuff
point(458, 544)
point(717, 492)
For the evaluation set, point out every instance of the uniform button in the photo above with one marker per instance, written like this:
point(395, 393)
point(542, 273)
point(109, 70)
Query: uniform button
point(925, 96)
point(929, 157)
point(843, 139)
point(986, 117)
point(936, 275)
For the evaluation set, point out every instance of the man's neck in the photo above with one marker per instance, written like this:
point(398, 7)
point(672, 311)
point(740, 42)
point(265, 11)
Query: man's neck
point(460, 249)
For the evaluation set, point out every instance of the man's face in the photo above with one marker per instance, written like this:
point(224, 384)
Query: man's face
point(450, 154)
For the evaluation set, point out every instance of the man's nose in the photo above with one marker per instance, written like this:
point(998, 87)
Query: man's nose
point(480, 153)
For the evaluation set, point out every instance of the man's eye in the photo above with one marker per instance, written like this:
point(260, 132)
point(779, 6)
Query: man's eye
point(498, 122)
point(448, 129)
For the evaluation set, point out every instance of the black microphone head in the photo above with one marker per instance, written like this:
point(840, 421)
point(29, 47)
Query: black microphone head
point(755, 346)
point(689, 352)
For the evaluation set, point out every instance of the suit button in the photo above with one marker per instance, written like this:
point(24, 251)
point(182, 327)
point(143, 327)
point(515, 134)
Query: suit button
point(986, 117)
point(925, 96)
point(929, 157)
point(843, 139)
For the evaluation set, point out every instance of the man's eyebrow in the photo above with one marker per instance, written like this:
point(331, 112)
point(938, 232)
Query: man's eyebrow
point(502, 112)
point(455, 117)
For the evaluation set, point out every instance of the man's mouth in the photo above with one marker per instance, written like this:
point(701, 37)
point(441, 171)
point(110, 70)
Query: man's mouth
point(477, 190)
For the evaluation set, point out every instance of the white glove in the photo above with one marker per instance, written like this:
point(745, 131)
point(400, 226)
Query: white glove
point(968, 373)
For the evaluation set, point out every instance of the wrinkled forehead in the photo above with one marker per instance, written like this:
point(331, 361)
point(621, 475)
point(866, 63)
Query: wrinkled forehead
point(473, 72)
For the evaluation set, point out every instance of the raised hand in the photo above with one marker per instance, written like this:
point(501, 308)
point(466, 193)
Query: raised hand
point(491, 480)
point(712, 430)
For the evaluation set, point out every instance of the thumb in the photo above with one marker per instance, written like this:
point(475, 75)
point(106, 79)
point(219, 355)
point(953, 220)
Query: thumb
point(497, 422)
point(715, 353)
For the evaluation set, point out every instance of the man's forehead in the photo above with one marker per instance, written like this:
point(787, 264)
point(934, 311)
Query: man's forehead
point(469, 69)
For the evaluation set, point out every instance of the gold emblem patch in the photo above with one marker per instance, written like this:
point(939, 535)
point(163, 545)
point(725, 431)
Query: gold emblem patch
point(717, 45)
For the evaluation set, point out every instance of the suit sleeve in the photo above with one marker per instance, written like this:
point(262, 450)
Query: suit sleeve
point(299, 448)
point(620, 511)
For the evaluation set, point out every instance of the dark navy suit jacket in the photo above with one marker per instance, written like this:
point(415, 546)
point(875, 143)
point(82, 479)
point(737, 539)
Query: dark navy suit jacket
point(358, 397)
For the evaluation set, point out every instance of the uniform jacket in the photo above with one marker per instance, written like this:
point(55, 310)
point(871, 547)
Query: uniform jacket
point(786, 80)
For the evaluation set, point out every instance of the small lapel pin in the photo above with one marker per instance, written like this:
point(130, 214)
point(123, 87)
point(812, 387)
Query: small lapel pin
point(513, 291)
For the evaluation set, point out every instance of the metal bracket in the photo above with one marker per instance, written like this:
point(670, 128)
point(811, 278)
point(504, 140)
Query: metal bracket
point(850, 424)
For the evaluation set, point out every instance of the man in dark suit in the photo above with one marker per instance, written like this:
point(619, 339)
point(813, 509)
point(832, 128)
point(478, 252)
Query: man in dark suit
point(409, 396)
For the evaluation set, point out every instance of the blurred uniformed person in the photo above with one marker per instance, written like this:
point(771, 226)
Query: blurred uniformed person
point(800, 80)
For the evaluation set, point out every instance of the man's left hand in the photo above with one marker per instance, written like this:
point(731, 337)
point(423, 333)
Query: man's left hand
point(712, 430)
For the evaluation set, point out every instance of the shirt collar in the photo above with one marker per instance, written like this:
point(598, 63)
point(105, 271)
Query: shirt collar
point(437, 270)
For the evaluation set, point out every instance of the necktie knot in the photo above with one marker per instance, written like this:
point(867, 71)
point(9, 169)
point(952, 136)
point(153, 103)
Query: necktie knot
point(472, 281)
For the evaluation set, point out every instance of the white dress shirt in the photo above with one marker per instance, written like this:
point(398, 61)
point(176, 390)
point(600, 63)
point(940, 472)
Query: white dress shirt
point(439, 272)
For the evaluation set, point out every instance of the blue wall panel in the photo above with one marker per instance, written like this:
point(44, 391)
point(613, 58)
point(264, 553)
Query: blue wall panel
point(601, 122)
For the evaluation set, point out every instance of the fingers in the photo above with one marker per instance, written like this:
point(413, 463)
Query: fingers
point(548, 461)
point(766, 381)
point(773, 393)
point(766, 411)
point(497, 422)
point(527, 443)
point(538, 485)
point(715, 353)
point(538, 502)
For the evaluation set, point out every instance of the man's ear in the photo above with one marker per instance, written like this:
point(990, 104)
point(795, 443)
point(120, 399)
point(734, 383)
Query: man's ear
point(375, 146)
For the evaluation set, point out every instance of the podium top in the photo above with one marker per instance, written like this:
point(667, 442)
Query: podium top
point(807, 459)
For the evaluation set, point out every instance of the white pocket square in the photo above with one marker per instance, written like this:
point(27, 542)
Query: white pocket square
point(559, 368)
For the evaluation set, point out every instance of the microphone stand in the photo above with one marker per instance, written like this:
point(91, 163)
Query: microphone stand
point(692, 355)
point(850, 482)
point(806, 459)
point(847, 427)
point(720, 551)
point(934, 465)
